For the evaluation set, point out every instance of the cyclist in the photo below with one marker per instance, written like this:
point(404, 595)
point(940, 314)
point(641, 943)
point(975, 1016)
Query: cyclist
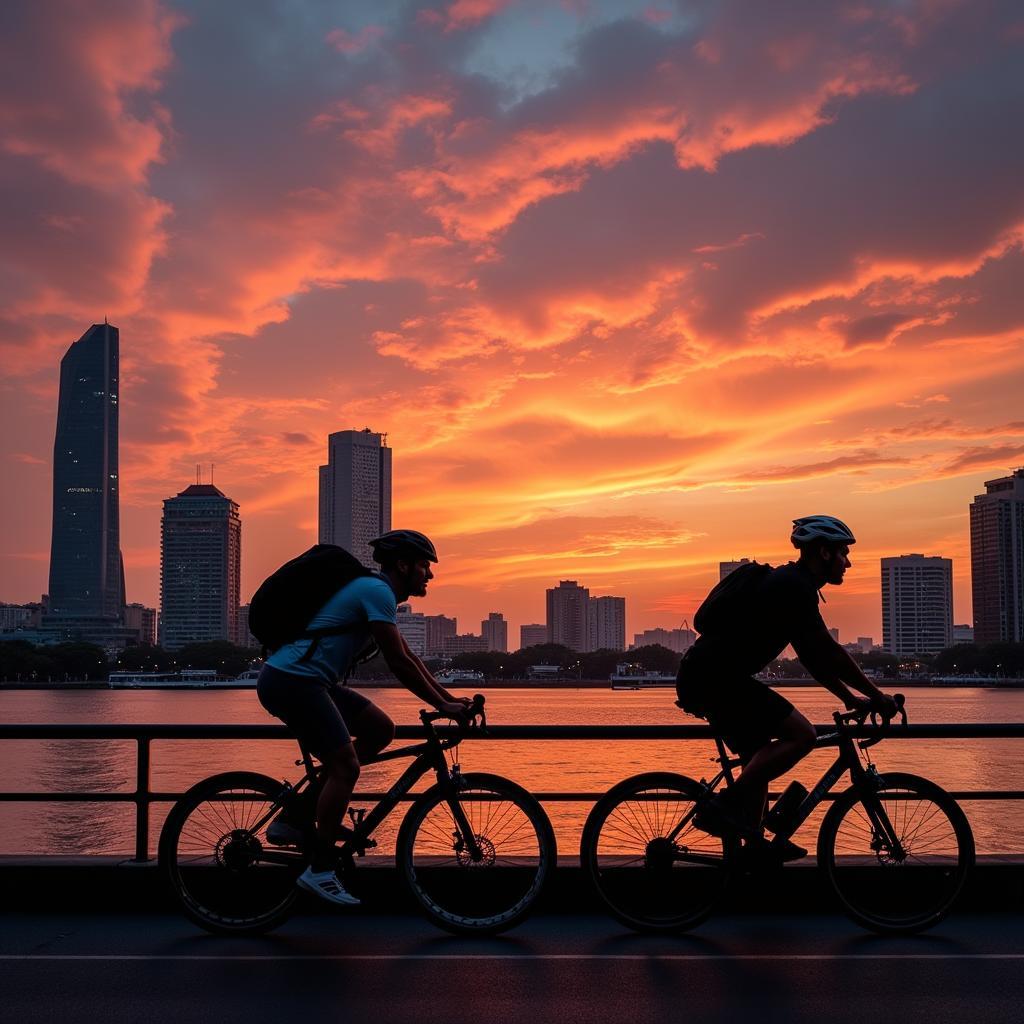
point(303, 689)
point(716, 678)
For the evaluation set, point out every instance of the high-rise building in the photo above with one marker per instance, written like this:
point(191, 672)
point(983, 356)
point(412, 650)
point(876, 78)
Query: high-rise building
point(86, 572)
point(245, 638)
point(917, 604)
point(962, 634)
point(200, 562)
point(997, 560)
point(678, 640)
point(567, 624)
point(532, 634)
point(494, 630)
point(142, 621)
point(724, 568)
point(438, 628)
point(833, 631)
point(413, 627)
point(355, 491)
point(865, 643)
point(606, 624)
point(463, 643)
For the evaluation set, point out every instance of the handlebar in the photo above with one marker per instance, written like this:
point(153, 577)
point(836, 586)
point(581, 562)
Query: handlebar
point(475, 718)
point(859, 716)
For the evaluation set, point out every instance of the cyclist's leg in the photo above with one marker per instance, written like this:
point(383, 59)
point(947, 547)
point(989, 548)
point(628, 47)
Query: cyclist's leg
point(339, 777)
point(791, 740)
point(372, 728)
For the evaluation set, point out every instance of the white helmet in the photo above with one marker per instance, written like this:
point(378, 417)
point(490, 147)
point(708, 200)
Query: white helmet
point(822, 528)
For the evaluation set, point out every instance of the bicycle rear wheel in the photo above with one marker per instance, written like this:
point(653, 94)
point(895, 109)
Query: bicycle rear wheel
point(214, 852)
point(488, 890)
point(897, 853)
point(649, 879)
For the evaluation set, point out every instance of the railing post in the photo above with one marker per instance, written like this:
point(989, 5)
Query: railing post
point(142, 801)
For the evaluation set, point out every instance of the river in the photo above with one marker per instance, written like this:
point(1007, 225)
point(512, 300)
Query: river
point(577, 766)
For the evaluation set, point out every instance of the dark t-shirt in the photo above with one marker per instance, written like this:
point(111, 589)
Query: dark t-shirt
point(782, 610)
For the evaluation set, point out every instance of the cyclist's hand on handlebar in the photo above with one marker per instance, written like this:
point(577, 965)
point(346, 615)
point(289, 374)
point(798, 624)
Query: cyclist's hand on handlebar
point(885, 706)
point(456, 710)
point(860, 704)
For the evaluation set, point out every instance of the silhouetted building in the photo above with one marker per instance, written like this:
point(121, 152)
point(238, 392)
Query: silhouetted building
point(245, 638)
point(438, 629)
point(355, 491)
point(86, 593)
point(413, 627)
point(917, 604)
point(997, 560)
point(532, 634)
point(678, 640)
point(833, 631)
point(606, 624)
point(142, 621)
point(865, 644)
point(494, 630)
point(724, 568)
point(463, 643)
point(568, 620)
point(962, 634)
point(200, 567)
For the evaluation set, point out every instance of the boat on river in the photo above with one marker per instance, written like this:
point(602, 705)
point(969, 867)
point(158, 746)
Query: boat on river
point(183, 679)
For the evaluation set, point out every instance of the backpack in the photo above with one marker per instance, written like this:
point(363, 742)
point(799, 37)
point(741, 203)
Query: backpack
point(726, 604)
point(287, 600)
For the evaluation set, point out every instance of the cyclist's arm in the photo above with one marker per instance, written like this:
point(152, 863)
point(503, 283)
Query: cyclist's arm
point(408, 669)
point(837, 671)
point(430, 675)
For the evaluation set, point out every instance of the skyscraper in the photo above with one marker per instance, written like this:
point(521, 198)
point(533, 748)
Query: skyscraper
point(568, 615)
point(494, 630)
point(86, 572)
point(438, 629)
point(413, 627)
point(200, 567)
point(606, 624)
point(997, 560)
point(917, 604)
point(355, 491)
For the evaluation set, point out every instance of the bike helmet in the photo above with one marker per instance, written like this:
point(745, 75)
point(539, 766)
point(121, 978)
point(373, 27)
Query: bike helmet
point(398, 543)
point(821, 528)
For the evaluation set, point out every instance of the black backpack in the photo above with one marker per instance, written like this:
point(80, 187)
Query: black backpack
point(287, 600)
point(729, 598)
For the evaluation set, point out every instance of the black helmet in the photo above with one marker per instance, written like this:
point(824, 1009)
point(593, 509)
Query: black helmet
point(397, 543)
point(821, 528)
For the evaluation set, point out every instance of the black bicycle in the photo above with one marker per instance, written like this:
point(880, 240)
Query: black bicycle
point(474, 849)
point(896, 848)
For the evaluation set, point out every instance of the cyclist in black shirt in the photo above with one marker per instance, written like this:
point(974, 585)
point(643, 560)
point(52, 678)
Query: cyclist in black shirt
point(716, 677)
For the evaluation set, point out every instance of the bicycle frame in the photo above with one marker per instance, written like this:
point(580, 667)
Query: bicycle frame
point(427, 756)
point(847, 761)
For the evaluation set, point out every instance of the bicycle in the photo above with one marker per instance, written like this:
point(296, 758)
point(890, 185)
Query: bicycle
point(895, 848)
point(474, 849)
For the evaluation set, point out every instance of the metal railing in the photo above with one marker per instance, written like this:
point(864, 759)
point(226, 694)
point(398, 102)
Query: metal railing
point(143, 735)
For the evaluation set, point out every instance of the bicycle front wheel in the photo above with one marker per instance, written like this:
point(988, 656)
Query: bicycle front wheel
point(214, 852)
point(896, 852)
point(476, 857)
point(652, 867)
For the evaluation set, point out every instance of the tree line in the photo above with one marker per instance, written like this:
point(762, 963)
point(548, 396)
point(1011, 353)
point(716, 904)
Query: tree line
point(20, 660)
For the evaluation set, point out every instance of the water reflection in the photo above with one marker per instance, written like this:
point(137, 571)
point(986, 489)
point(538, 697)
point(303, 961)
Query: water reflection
point(573, 766)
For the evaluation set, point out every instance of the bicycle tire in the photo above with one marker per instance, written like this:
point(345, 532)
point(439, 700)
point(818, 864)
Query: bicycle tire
point(876, 886)
point(646, 882)
point(212, 857)
point(517, 847)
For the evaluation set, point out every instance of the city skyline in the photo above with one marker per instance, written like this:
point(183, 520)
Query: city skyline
point(628, 288)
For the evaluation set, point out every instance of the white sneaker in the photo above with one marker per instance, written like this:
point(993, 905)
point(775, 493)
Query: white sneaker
point(327, 886)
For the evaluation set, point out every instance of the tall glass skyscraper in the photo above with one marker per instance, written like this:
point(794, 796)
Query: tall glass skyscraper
point(86, 571)
point(355, 491)
point(997, 560)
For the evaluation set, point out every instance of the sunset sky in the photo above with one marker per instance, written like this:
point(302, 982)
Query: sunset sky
point(628, 285)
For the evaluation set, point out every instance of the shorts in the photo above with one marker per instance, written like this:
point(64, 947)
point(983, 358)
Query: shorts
point(742, 710)
point(320, 714)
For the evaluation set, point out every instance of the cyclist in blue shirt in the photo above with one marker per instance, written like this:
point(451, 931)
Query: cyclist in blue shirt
point(716, 677)
point(300, 683)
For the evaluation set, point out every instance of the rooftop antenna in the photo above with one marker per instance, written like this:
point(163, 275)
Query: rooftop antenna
point(199, 473)
point(211, 473)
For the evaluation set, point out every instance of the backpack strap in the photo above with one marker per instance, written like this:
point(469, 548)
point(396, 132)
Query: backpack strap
point(316, 635)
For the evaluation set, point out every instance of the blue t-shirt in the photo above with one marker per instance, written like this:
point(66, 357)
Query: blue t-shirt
point(364, 600)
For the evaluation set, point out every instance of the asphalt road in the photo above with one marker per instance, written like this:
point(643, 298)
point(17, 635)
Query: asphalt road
point(565, 969)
